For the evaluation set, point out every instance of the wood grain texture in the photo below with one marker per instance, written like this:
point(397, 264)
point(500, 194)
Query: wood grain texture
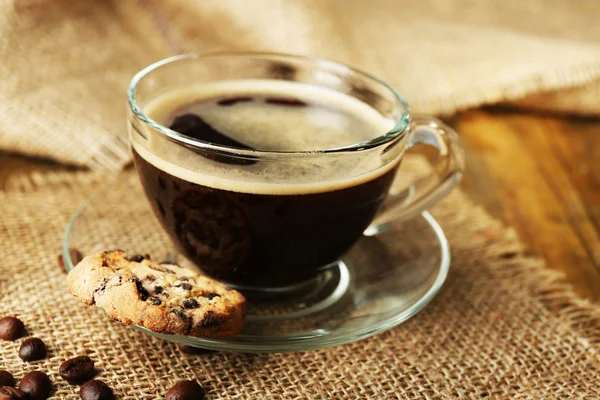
point(541, 175)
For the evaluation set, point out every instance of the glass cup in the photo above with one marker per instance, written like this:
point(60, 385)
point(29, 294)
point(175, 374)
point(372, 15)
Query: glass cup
point(273, 221)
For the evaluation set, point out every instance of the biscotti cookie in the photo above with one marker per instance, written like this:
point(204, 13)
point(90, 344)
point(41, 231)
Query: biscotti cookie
point(164, 298)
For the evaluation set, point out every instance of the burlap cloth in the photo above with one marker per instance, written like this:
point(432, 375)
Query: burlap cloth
point(65, 64)
point(503, 326)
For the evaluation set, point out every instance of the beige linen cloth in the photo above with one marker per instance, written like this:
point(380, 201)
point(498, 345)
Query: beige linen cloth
point(65, 64)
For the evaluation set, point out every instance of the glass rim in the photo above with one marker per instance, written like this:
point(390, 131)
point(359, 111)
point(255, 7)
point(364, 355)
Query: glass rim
point(394, 133)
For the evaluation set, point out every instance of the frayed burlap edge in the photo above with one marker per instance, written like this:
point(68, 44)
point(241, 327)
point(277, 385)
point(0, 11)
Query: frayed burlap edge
point(547, 285)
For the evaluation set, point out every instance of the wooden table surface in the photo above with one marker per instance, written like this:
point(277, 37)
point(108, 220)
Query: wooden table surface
point(541, 175)
point(538, 174)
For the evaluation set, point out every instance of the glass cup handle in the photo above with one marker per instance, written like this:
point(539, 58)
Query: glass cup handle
point(425, 192)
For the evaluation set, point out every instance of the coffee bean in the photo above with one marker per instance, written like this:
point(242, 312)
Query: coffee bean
point(194, 350)
point(11, 328)
point(32, 349)
point(75, 256)
point(77, 369)
point(185, 390)
point(6, 378)
point(96, 390)
point(10, 393)
point(36, 385)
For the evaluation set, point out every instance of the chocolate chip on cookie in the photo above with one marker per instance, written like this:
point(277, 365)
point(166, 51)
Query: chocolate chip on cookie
point(211, 296)
point(184, 286)
point(140, 288)
point(190, 303)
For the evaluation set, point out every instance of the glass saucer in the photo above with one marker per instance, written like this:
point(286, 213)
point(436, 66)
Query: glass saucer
point(383, 281)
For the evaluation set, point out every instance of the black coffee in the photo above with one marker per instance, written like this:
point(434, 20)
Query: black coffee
point(263, 223)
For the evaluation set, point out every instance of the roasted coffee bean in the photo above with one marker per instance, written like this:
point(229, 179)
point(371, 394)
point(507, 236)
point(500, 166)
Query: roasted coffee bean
point(190, 303)
point(75, 256)
point(11, 328)
point(36, 385)
point(194, 350)
point(185, 390)
point(6, 378)
point(77, 369)
point(32, 349)
point(96, 390)
point(11, 393)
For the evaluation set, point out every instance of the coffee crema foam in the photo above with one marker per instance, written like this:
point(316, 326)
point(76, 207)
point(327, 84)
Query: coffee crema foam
point(329, 120)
